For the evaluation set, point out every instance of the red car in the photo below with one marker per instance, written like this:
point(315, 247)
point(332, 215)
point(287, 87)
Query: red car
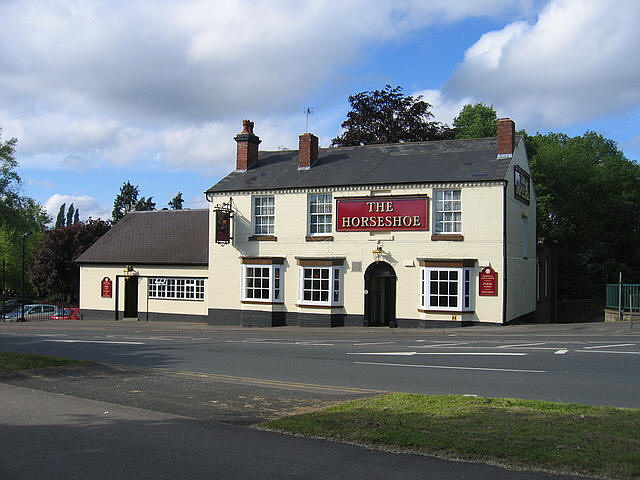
point(66, 314)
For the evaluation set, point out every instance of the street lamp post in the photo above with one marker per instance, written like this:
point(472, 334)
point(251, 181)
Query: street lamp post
point(24, 236)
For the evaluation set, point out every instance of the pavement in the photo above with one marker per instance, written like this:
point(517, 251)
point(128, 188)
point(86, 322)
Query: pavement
point(96, 421)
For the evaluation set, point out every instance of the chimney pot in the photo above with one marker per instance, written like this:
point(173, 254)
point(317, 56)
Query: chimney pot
point(506, 136)
point(308, 151)
point(247, 153)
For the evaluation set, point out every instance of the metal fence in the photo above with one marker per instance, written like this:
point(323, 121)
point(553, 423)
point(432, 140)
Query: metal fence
point(630, 296)
point(14, 309)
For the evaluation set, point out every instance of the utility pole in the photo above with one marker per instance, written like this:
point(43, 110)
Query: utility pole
point(24, 236)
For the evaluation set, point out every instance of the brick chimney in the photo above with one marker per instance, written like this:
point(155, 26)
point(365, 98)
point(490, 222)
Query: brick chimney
point(308, 152)
point(247, 147)
point(506, 137)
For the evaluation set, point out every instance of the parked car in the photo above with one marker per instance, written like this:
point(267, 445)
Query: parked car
point(66, 314)
point(10, 304)
point(32, 312)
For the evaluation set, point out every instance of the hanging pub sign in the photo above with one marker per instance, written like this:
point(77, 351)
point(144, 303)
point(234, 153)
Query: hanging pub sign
point(106, 287)
point(521, 185)
point(488, 282)
point(365, 214)
point(224, 214)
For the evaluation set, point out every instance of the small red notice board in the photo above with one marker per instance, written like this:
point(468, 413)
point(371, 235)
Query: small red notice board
point(106, 287)
point(488, 282)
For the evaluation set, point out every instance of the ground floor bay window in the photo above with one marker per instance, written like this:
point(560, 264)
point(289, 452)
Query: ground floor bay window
point(446, 285)
point(320, 282)
point(262, 279)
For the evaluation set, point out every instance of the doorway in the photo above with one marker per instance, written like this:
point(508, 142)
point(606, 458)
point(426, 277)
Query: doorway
point(131, 297)
point(380, 295)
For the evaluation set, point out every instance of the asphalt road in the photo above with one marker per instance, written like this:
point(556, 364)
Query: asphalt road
point(597, 364)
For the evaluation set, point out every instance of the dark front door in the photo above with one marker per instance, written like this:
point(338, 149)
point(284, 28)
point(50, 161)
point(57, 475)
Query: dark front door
point(131, 297)
point(380, 297)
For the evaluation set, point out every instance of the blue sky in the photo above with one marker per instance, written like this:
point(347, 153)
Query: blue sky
point(103, 92)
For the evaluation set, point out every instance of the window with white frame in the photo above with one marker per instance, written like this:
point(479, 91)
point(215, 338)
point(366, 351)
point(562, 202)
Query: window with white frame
point(262, 283)
point(264, 215)
point(320, 285)
point(448, 211)
point(446, 289)
point(320, 213)
point(176, 288)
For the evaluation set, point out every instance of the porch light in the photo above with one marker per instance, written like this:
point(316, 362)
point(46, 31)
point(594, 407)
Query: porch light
point(377, 253)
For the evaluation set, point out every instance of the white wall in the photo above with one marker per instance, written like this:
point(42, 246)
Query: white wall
point(482, 227)
point(91, 276)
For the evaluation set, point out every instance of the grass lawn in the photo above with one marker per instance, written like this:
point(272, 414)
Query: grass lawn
point(519, 433)
point(23, 361)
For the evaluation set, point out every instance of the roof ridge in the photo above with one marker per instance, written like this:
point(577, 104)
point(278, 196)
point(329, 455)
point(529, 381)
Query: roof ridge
point(424, 142)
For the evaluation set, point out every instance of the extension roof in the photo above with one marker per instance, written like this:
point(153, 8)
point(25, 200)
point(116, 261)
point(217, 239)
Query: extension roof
point(390, 164)
point(164, 237)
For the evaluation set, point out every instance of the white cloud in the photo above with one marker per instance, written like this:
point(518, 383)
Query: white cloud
point(573, 64)
point(85, 83)
point(88, 206)
point(443, 109)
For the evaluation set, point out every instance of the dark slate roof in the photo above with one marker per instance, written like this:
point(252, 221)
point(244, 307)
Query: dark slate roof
point(164, 237)
point(401, 163)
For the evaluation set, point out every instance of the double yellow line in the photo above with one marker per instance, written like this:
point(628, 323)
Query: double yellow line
point(268, 383)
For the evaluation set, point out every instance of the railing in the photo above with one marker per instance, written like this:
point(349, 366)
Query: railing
point(630, 293)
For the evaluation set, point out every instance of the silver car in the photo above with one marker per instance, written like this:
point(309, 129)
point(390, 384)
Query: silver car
point(37, 311)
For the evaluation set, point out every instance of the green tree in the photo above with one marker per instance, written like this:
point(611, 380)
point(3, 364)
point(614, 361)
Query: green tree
point(60, 219)
point(588, 199)
point(76, 216)
point(18, 215)
point(53, 271)
point(389, 116)
point(70, 213)
point(476, 121)
point(127, 201)
point(177, 202)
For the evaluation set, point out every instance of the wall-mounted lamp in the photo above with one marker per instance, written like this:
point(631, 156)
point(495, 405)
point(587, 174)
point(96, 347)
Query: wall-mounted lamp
point(377, 253)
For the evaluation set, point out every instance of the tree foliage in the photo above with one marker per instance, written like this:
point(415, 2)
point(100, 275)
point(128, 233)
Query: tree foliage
point(18, 215)
point(389, 116)
point(70, 213)
point(60, 219)
point(177, 202)
point(588, 199)
point(53, 271)
point(127, 201)
point(476, 121)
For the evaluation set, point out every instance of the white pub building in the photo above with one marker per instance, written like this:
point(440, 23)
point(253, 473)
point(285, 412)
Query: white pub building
point(404, 235)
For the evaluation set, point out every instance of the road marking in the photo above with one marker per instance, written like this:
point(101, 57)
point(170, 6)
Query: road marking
point(607, 351)
point(200, 338)
point(443, 345)
point(522, 345)
point(266, 382)
point(609, 346)
point(486, 354)
point(560, 352)
point(451, 367)
point(110, 342)
point(374, 343)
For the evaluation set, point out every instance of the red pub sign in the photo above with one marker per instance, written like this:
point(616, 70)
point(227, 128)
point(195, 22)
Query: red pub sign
point(106, 287)
point(488, 282)
point(358, 214)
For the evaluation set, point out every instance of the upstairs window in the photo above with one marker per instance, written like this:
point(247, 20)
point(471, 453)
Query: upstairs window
point(264, 215)
point(448, 211)
point(320, 214)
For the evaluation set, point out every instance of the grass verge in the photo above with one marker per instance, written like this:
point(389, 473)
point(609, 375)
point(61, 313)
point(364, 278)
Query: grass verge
point(519, 433)
point(10, 361)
